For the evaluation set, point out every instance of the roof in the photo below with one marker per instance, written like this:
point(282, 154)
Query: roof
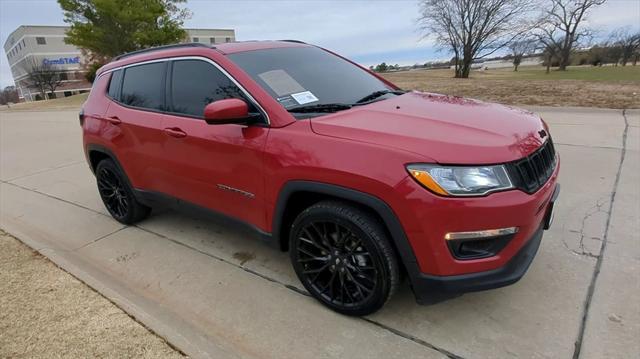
point(242, 46)
point(224, 48)
point(187, 49)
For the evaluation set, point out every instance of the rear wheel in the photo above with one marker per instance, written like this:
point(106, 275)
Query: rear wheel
point(116, 194)
point(342, 256)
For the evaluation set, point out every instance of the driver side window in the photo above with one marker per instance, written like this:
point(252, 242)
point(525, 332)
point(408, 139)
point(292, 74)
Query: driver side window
point(196, 83)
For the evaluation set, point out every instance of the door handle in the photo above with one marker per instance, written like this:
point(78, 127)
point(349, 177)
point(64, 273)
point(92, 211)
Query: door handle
point(175, 132)
point(113, 120)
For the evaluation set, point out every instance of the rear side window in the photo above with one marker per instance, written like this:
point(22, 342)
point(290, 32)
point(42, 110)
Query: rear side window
point(143, 86)
point(195, 83)
point(114, 84)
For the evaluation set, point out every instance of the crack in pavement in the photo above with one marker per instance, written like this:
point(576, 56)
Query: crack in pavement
point(597, 208)
point(603, 245)
point(248, 270)
point(69, 164)
point(586, 146)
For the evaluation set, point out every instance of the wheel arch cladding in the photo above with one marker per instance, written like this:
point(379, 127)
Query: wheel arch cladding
point(295, 196)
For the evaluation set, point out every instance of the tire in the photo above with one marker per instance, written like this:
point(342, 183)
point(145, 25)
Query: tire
point(343, 257)
point(117, 195)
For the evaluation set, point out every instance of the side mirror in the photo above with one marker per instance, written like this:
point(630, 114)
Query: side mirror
point(230, 110)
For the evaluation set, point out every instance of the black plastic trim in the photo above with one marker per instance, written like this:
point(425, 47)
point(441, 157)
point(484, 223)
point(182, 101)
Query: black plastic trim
point(158, 48)
point(157, 199)
point(430, 289)
point(400, 240)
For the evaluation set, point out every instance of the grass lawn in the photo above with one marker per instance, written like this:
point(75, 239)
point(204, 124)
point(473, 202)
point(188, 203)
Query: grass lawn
point(47, 313)
point(608, 87)
point(586, 73)
point(71, 102)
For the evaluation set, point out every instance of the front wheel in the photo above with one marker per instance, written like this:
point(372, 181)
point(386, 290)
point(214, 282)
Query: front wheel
point(343, 257)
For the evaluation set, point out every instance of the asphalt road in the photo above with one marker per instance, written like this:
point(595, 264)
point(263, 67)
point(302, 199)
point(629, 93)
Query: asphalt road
point(215, 292)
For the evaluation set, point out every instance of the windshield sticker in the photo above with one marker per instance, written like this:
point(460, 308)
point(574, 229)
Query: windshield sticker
point(280, 82)
point(304, 97)
point(287, 101)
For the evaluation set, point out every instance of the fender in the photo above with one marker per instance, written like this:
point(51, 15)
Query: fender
point(104, 150)
point(398, 236)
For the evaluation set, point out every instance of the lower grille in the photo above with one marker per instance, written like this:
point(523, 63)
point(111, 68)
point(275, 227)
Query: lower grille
point(533, 171)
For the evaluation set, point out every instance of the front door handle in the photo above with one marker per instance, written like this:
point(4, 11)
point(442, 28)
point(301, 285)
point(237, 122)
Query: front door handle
point(175, 132)
point(113, 120)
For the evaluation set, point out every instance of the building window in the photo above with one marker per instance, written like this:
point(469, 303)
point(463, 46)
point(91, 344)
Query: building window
point(64, 76)
point(212, 40)
point(195, 39)
point(228, 39)
point(23, 44)
point(41, 41)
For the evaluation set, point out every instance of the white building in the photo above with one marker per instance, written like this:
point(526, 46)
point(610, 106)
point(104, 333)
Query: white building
point(44, 45)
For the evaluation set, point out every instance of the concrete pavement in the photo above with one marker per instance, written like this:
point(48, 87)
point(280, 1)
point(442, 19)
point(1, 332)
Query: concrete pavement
point(214, 292)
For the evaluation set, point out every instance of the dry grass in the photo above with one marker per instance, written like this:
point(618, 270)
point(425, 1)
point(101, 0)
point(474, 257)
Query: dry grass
point(64, 103)
point(47, 313)
point(580, 86)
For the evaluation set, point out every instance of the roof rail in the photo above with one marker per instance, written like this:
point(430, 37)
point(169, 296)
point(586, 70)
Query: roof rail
point(296, 41)
point(164, 47)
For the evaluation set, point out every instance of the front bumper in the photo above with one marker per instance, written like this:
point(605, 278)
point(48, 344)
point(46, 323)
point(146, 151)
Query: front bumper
point(430, 289)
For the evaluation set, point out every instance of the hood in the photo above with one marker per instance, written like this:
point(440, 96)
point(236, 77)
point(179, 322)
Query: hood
point(447, 129)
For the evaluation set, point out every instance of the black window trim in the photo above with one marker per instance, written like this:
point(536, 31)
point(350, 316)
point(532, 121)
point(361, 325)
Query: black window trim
point(166, 60)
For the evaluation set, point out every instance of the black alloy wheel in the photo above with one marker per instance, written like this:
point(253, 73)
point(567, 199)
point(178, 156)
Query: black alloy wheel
point(341, 255)
point(116, 195)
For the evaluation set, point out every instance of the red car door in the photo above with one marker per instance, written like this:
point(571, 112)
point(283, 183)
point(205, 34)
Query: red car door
point(219, 167)
point(137, 131)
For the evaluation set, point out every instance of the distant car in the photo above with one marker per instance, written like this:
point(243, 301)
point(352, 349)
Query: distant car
point(363, 183)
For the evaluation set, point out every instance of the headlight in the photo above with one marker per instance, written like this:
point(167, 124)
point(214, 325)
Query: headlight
point(461, 180)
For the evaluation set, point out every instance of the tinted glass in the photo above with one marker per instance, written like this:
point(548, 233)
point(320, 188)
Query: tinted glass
point(195, 83)
point(312, 75)
point(114, 84)
point(143, 86)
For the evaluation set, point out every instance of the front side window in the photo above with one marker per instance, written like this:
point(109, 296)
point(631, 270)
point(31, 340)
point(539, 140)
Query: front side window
point(304, 76)
point(143, 86)
point(195, 83)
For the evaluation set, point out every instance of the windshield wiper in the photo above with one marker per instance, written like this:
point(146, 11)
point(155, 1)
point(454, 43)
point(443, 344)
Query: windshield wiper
point(375, 95)
point(325, 107)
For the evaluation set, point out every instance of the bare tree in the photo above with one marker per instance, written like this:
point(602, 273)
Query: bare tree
point(43, 77)
point(473, 29)
point(521, 48)
point(560, 28)
point(9, 95)
point(627, 44)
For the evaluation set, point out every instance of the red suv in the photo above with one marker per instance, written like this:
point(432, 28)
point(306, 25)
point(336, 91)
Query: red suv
point(361, 182)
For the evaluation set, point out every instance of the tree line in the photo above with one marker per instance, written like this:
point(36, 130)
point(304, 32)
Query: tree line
point(476, 29)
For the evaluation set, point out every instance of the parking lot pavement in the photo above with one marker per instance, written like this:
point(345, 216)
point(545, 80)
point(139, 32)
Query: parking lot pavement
point(216, 292)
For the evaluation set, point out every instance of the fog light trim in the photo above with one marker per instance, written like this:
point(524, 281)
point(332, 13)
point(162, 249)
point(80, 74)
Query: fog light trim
point(481, 234)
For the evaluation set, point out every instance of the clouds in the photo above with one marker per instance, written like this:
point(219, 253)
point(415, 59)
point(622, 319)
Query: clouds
point(366, 31)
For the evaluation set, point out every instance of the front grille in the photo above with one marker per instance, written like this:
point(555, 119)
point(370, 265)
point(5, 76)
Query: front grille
point(533, 171)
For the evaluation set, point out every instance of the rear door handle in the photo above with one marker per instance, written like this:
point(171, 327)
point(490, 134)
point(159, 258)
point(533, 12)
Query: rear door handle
point(113, 120)
point(175, 132)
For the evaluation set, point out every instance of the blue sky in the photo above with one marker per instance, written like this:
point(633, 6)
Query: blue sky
point(368, 32)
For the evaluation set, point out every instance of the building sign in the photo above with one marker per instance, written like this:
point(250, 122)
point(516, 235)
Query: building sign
point(62, 61)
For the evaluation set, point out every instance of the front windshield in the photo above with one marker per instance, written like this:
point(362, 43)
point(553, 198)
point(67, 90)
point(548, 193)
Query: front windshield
point(308, 76)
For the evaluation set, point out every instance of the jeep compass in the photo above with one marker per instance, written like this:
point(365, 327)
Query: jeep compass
point(364, 184)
